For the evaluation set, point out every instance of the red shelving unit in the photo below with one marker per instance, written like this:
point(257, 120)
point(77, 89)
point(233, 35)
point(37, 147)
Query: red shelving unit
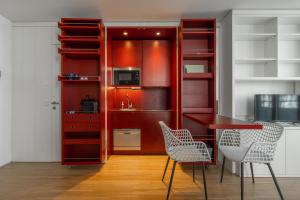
point(82, 44)
point(197, 46)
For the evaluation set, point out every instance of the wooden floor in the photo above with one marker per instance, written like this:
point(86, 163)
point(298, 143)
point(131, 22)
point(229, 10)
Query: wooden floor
point(129, 177)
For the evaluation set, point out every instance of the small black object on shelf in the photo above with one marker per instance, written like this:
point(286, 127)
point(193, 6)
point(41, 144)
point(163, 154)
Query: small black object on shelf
point(89, 105)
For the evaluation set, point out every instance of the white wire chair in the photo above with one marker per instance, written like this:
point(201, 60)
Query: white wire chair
point(181, 147)
point(251, 146)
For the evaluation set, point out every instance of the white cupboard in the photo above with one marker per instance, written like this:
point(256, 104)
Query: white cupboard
point(260, 54)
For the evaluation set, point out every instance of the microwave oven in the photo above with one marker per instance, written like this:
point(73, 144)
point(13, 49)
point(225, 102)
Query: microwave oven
point(126, 76)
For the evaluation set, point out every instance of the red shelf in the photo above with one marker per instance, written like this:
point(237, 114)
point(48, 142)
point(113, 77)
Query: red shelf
point(212, 121)
point(90, 79)
point(79, 52)
point(79, 39)
point(80, 20)
point(197, 110)
point(80, 161)
point(81, 141)
point(197, 56)
point(192, 76)
point(78, 26)
point(197, 33)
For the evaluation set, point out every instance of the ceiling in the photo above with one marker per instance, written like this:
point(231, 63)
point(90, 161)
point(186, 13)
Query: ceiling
point(131, 10)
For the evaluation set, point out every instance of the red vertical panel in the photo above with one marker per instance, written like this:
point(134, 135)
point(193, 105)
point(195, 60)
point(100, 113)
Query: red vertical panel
point(102, 92)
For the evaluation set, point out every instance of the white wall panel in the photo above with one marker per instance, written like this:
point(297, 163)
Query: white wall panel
point(5, 91)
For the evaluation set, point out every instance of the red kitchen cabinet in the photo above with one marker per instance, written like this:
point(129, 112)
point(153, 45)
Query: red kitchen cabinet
point(127, 53)
point(156, 63)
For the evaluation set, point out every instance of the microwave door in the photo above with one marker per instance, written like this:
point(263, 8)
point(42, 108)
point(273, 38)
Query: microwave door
point(125, 78)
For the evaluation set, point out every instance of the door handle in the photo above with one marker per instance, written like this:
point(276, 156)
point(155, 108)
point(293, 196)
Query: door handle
point(54, 103)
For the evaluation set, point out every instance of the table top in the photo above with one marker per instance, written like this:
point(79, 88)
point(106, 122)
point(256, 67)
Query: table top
point(212, 121)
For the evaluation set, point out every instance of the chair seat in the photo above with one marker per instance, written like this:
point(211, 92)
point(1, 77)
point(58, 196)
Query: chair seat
point(234, 153)
point(190, 154)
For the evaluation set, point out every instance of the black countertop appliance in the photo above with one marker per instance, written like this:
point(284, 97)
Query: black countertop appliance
point(264, 107)
point(89, 105)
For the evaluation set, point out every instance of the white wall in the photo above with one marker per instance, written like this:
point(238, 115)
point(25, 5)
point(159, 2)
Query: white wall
point(5, 91)
point(36, 64)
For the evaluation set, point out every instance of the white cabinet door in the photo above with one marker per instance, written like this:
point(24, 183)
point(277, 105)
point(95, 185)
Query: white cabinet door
point(293, 153)
point(35, 134)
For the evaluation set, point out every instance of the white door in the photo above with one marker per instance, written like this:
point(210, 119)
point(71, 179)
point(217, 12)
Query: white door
point(35, 123)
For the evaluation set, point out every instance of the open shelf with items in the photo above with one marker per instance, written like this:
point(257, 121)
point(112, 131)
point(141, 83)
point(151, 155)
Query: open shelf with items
point(78, 78)
point(197, 80)
point(82, 41)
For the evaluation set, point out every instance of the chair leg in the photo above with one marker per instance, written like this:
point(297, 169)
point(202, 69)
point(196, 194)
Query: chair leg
point(166, 167)
point(252, 172)
point(222, 172)
point(242, 180)
point(275, 181)
point(204, 180)
point(171, 180)
point(193, 172)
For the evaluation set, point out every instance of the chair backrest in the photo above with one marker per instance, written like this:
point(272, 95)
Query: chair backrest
point(171, 141)
point(271, 132)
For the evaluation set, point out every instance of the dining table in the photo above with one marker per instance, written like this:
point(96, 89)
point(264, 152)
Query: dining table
point(215, 121)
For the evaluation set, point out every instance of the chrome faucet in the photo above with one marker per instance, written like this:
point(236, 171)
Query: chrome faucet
point(129, 103)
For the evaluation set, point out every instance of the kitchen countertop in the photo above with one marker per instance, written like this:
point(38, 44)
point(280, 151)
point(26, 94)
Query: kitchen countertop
point(139, 110)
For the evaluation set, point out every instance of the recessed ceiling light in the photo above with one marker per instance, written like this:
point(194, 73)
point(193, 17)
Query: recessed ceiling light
point(157, 33)
point(125, 33)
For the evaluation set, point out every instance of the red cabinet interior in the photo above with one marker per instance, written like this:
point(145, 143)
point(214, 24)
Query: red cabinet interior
point(81, 46)
point(155, 99)
point(197, 46)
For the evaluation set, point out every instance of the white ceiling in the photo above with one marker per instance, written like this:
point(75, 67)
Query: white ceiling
point(131, 10)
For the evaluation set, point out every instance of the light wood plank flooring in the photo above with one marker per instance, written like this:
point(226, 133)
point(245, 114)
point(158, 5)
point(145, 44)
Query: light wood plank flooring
point(130, 177)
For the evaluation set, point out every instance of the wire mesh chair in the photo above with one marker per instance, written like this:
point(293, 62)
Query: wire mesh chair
point(251, 146)
point(181, 147)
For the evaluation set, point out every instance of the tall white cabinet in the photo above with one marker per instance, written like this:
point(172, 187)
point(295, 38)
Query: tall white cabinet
point(260, 55)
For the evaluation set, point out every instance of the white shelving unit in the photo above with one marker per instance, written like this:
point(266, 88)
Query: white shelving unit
point(260, 55)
